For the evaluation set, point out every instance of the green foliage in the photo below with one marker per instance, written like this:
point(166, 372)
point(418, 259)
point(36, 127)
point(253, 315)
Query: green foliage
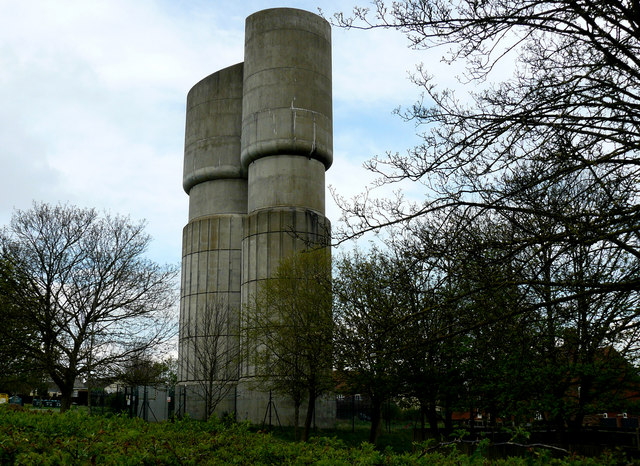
point(35, 437)
point(520, 434)
point(372, 307)
point(141, 369)
point(290, 323)
point(20, 372)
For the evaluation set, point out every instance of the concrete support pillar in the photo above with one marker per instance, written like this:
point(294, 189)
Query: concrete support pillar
point(211, 246)
point(287, 136)
point(287, 145)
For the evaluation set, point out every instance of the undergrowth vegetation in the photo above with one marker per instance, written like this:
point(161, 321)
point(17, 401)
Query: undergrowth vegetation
point(31, 437)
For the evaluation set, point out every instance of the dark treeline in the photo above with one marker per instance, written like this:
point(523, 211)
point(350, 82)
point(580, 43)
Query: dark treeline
point(455, 319)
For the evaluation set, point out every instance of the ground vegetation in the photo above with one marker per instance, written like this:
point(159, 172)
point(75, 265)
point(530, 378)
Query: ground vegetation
point(28, 437)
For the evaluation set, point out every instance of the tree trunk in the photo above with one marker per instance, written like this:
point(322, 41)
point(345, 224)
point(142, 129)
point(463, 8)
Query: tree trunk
point(376, 420)
point(432, 416)
point(296, 419)
point(448, 415)
point(65, 383)
point(491, 412)
point(89, 395)
point(575, 423)
point(309, 417)
point(65, 400)
point(208, 399)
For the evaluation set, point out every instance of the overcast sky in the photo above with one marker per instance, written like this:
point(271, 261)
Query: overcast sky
point(93, 93)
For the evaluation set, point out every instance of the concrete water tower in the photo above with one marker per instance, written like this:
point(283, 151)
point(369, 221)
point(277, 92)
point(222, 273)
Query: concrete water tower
point(258, 141)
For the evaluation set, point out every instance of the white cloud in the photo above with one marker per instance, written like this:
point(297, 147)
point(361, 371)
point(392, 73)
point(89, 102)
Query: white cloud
point(93, 96)
point(371, 67)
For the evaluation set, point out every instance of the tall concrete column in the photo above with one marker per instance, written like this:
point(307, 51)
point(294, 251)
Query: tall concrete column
point(216, 184)
point(287, 143)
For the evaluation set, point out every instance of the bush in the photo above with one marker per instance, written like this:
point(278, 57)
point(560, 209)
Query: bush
point(37, 437)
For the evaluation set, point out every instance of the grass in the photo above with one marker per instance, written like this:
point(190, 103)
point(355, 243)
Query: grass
point(399, 438)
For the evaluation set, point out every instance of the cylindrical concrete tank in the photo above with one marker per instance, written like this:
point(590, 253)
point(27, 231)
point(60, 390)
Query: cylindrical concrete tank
point(213, 175)
point(258, 142)
point(287, 106)
point(287, 141)
point(212, 240)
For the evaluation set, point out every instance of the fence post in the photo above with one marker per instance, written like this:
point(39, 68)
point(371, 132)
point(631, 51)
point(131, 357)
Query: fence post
point(353, 413)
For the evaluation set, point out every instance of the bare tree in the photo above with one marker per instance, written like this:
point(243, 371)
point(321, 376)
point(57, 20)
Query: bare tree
point(211, 352)
point(571, 107)
point(549, 153)
point(86, 288)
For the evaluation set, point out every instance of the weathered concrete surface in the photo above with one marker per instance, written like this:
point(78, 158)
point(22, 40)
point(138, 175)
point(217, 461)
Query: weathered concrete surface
point(217, 187)
point(257, 143)
point(213, 128)
point(286, 181)
point(287, 104)
point(286, 147)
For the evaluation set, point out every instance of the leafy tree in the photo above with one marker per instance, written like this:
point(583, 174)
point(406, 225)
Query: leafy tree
point(428, 367)
point(496, 333)
point(18, 372)
point(582, 319)
point(91, 297)
point(371, 326)
point(510, 318)
point(169, 375)
point(422, 367)
point(464, 349)
point(212, 349)
point(290, 323)
point(140, 370)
